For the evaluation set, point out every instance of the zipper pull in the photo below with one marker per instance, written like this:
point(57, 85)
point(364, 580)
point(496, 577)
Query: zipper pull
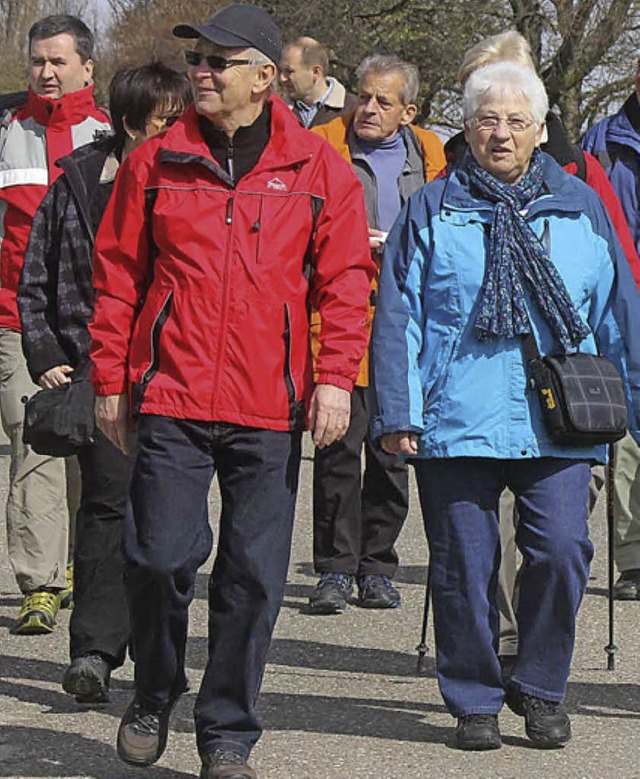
point(229, 212)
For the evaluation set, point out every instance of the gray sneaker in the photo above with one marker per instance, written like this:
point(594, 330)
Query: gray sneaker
point(87, 678)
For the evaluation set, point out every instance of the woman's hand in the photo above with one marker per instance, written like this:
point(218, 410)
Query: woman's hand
point(400, 443)
point(55, 377)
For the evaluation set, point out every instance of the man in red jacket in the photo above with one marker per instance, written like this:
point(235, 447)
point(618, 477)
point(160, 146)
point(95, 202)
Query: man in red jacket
point(58, 116)
point(218, 236)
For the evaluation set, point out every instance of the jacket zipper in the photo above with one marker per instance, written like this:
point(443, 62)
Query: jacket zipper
point(288, 375)
point(156, 330)
point(225, 301)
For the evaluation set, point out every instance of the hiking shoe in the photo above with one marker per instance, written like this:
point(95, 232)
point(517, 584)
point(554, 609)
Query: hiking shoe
point(628, 585)
point(142, 735)
point(477, 732)
point(377, 592)
point(331, 594)
point(66, 596)
point(226, 764)
point(38, 613)
point(546, 723)
point(507, 667)
point(88, 679)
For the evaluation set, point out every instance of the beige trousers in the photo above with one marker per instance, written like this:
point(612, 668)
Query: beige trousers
point(37, 514)
point(507, 593)
point(627, 505)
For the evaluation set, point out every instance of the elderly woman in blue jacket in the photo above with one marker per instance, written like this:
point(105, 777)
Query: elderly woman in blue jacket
point(506, 244)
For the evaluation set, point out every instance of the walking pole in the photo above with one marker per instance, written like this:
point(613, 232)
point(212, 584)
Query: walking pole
point(422, 647)
point(611, 648)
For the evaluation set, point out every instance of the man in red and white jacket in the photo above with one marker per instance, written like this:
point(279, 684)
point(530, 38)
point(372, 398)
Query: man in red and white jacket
point(59, 115)
point(219, 235)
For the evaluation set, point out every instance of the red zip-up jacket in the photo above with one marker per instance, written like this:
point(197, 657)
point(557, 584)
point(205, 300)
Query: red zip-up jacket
point(33, 138)
point(203, 288)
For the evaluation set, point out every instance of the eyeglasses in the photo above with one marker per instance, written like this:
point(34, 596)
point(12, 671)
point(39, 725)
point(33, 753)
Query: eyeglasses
point(164, 121)
point(214, 61)
point(515, 124)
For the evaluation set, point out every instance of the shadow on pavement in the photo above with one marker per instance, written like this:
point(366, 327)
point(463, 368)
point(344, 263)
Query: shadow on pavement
point(39, 752)
point(327, 657)
point(370, 718)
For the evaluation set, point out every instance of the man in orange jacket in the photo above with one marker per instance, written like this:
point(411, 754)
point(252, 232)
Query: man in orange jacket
point(357, 519)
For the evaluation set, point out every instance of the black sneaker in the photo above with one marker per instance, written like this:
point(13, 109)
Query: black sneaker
point(546, 722)
point(142, 735)
point(226, 764)
point(477, 732)
point(331, 594)
point(88, 679)
point(628, 585)
point(377, 592)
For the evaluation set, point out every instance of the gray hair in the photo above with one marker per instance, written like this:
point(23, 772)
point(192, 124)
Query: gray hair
point(500, 80)
point(258, 58)
point(389, 63)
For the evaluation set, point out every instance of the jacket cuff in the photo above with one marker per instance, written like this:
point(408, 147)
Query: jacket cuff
point(337, 381)
point(43, 357)
point(112, 388)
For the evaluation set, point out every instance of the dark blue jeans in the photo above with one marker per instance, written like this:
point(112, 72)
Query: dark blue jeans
point(459, 499)
point(167, 537)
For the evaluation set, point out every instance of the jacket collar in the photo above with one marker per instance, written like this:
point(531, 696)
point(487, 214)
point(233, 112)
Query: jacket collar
point(338, 94)
point(289, 143)
point(69, 109)
point(457, 195)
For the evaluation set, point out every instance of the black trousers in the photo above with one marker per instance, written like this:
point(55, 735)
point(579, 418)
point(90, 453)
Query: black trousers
point(100, 617)
point(357, 518)
point(167, 537)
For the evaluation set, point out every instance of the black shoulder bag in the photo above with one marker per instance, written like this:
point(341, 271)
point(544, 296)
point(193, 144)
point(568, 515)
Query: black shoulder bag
point(60, 421)
point(581, 396)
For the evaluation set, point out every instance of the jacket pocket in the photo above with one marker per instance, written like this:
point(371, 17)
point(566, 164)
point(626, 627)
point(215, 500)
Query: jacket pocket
point(296, 406)
point(138, 388)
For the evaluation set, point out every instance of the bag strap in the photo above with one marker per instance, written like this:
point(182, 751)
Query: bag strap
point(530, 348)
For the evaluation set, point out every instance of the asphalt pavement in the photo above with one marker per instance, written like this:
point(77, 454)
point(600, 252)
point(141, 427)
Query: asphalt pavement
point(340, 699)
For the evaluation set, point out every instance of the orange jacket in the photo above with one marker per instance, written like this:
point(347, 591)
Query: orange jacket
point(336, 133)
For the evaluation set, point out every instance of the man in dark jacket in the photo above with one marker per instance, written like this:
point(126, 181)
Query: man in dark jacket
point(217, 237)
point(315, 97)
point(615, 141)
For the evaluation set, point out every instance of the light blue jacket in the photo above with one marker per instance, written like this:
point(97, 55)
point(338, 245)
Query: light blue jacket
point(431, 375)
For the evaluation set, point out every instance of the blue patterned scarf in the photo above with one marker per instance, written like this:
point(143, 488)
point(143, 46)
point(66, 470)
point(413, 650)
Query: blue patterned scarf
point(518, 258)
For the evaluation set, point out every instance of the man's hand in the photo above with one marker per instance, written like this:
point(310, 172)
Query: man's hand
point(400, 443)
point(55, 377)
point(112, 418)
point(329, 414)
point(377, 238)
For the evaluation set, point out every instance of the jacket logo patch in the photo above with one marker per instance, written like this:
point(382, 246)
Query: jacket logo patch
point(276, 183)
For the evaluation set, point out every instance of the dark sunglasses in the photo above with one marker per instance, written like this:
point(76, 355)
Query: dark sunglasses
point(214, 61)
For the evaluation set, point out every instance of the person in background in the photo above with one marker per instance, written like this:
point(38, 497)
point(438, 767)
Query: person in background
point(58, 116)
point(55, 301)
point(461, 284)
point(615, 142)
point(218, 235)
point(315, 97)
point(357, 517)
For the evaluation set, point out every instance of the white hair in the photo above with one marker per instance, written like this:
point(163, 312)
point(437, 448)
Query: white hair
point(502, 79)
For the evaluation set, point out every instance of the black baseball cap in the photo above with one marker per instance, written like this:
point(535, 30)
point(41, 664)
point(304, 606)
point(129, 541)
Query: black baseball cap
point(238, 25)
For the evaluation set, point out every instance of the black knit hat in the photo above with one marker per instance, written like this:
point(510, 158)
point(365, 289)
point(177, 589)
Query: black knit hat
point(238, 25)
